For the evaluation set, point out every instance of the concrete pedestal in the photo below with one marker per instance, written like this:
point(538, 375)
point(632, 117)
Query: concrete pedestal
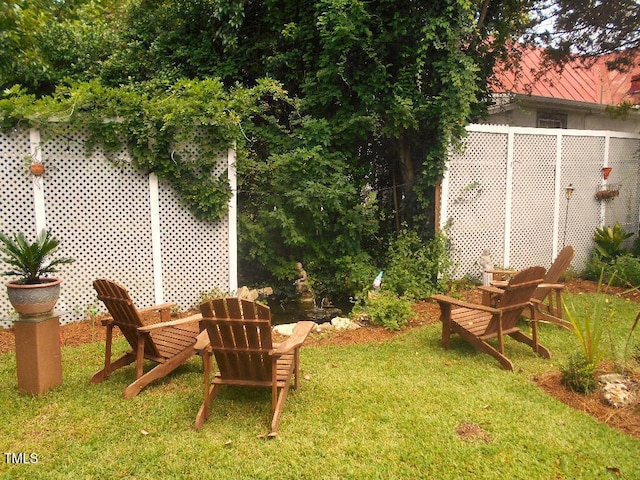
point(38, 356)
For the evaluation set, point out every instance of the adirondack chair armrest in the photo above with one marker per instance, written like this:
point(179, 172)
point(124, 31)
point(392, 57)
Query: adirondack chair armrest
point(490, 289)
point(202, 342)
point(158, 308)
point(497, 287)
point(501, 272)
point(106, 321)
point(297, 338)
point(180, 321)
point(462, 303)
point(554, 286)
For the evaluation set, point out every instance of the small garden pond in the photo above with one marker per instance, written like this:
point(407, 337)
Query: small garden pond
point(294, 311)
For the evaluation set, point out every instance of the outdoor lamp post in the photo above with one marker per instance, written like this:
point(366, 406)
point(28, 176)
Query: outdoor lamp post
point(568, 192)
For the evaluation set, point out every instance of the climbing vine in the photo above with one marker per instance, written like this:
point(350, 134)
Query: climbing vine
point(382, 89)
point(178, 130)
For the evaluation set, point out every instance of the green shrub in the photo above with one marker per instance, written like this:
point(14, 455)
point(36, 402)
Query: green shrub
point(627, 271)
point(387, 309)
point(414, 267)
point(609, 242)
point(623, 271)
point(635, 250)
point(354, 275)
point(594, 268)
point(579, 374)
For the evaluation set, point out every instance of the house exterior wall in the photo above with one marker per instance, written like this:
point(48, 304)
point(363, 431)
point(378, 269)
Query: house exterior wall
point(522, 115)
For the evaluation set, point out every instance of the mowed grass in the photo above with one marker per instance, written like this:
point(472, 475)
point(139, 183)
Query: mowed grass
point(368, 411)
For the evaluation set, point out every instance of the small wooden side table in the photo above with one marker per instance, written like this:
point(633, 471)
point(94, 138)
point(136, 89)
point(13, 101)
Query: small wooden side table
point(38, 355)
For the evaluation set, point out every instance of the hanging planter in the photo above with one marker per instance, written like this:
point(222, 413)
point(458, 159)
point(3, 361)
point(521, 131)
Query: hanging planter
point(607, 193)
point(36, 169)
point(34, 166)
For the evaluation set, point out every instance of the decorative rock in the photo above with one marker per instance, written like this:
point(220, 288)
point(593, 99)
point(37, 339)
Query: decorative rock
point(341, 323)
point(244, 292)
point(253, 294)
point(611, 378)
point(338, 323)
point(325, 327)
point(361, 318)
point(617, 390)
point(285, 329)
point(265, 291)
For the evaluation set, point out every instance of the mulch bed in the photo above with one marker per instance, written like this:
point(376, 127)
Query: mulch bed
point(626, 420)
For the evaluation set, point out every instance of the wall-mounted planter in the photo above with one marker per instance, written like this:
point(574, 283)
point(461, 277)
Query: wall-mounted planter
point(607, 194)
point(36, 169)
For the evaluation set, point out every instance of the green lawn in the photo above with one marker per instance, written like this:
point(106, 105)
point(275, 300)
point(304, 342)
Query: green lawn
point(364, 411)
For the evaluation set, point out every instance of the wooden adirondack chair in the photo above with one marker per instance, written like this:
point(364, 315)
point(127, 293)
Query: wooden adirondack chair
point(169, 343)
point(547, 299)
point(478, 323)
point(240, 335)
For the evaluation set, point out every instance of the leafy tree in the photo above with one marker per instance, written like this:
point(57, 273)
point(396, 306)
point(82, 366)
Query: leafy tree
point(591, 28)
point(45, 42)
point(18, 57)
point(377, 91)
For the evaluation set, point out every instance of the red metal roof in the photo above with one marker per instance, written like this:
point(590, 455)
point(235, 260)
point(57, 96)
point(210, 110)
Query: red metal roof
point(576, 81)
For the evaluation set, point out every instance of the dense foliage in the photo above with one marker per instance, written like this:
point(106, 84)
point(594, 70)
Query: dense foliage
point(591, 28)
point(342, 111)
point(154, 122)
point(611, 260)
point(413, 267)
point(387, 309)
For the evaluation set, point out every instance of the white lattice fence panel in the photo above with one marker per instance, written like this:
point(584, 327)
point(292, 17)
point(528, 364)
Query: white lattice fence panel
point(99, 207)
point(623, 158)
point(100, 211)
point(533, 200)
point(16, 192)
point(476, 196)
point(582, 159)
point(16, 197)
point(542, 220)
point(195, 254)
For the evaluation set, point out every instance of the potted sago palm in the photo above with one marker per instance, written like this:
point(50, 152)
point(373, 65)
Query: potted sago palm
point(34, 292)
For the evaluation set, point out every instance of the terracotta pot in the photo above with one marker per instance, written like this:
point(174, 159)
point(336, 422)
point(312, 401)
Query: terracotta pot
point(36, 169)
point(34, 299)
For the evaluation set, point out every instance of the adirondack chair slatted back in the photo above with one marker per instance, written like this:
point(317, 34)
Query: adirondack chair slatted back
point(240, 336)
point(557, 268)
point(515, 299)
point(124, 313)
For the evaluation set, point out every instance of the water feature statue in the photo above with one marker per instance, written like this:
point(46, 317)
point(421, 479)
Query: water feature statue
point(306, 306)
point(301, 282)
